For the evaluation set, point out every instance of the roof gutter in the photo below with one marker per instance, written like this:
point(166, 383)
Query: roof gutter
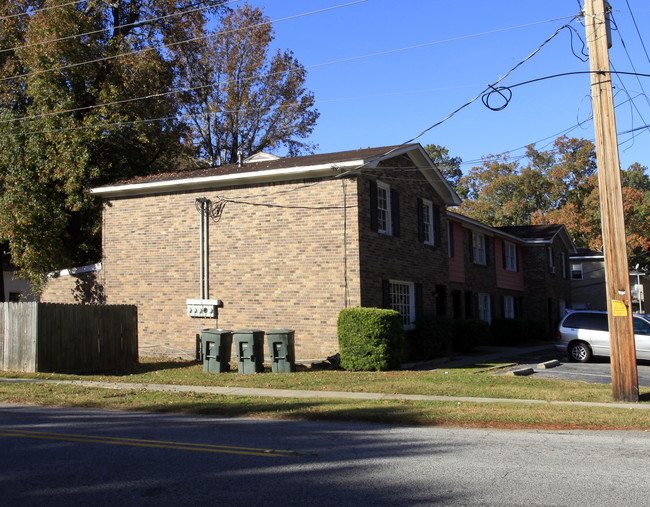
point(206, 182)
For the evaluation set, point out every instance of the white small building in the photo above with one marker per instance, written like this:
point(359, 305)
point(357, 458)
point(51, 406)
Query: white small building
point(16, 289)
point(588, 288)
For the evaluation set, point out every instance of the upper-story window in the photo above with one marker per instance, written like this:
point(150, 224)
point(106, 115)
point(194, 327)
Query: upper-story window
point(383, 208)
point(478, 248)
point(551, 260)
point(509, 256)
point(427, 222)
point(576, 271)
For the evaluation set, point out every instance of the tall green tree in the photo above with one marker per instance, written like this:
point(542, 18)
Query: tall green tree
point(242, 96)
point(84, 100)
point(447, 165)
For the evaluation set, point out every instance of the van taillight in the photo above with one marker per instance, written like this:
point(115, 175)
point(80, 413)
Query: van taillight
point(558, 335)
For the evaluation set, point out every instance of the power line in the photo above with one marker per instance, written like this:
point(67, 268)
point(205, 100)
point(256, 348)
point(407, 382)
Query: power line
point(36, 11)
point(637, 30)
point(171, 44)
point(200, 87)
point(633, 68)
point(116, 27)
point(357, 169)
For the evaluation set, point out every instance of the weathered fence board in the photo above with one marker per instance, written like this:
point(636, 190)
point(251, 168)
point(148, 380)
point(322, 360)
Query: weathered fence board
point(64, 338)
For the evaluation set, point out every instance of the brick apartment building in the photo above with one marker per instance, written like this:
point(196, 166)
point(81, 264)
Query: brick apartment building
point(509, 272)
point(292, 241)
point(298, 239)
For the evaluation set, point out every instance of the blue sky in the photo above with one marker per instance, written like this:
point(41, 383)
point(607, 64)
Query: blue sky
point(456, 50)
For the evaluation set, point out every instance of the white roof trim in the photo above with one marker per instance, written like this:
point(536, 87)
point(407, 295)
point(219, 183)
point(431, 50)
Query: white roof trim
point(76, 271)
point(415, 152)
point(202, 182)
point(478, 225)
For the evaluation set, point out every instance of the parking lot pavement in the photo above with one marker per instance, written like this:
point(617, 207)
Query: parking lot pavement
point(598, 371)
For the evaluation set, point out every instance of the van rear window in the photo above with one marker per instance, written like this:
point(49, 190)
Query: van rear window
point(593, 321)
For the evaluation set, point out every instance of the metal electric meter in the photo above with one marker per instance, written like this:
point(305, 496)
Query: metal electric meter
point(203, 308)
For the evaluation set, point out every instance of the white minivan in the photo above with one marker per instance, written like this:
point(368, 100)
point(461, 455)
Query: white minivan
point(583, 334)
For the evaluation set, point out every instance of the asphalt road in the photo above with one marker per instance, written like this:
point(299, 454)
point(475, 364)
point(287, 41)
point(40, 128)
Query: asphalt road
point(53, 456)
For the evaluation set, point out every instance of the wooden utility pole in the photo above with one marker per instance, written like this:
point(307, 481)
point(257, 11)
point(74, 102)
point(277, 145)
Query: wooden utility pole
point(625, 383)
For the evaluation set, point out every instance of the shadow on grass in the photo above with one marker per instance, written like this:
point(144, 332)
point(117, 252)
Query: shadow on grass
point(148, 367)
point(367, 412)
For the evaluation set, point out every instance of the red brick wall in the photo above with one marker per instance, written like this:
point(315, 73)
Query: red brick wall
point(457, 262)
point(506, 279)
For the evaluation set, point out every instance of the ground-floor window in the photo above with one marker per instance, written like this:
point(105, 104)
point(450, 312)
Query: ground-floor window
point(484, 309)
point(509, 307)
point(402, 300)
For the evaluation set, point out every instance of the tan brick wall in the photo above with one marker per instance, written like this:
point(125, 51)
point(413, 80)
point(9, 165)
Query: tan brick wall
point(82, 288)
point(283, 265)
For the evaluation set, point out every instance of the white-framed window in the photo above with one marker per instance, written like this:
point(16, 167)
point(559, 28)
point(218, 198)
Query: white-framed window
point(564, 266)
point(509, 307)
point(478, 248)
point(383, 208)
point(510, 255)
point(427, 221)
point(484, 308)
point(576, 271)
point(551, 260)
point(402, 300)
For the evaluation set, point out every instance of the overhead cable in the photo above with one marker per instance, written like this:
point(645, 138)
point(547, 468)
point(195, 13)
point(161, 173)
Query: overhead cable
point(200, 87)
point(170, 44)
point(116, 27)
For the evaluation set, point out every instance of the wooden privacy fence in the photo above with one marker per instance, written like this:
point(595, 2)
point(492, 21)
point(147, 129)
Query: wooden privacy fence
point(50, 337)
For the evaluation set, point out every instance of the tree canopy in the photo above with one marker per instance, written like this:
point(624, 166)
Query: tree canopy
point(447, 165)
point(557, 186)
point(242, 97)
point(93, 92)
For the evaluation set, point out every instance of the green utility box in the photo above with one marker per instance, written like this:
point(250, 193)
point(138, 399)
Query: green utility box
point(216, 345)
point(282, 350)
point(249, 346)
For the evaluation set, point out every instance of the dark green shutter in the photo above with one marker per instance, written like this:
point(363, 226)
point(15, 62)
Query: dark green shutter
point(436, 226)
point(394, 210)
point(374, 221)
point(420, 210)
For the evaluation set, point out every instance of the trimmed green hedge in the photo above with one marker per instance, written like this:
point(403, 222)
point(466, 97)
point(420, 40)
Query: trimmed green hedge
point(370, 339)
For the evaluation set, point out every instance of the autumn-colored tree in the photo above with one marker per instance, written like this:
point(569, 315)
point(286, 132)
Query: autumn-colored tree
point(242, 97)
point(557, 186)
point(84, 100)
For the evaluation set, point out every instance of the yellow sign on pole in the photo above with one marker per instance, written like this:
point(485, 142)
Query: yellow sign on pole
point(619, 309)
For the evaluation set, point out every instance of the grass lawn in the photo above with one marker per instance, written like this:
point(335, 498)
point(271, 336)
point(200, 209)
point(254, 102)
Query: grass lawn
point(480, 380)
